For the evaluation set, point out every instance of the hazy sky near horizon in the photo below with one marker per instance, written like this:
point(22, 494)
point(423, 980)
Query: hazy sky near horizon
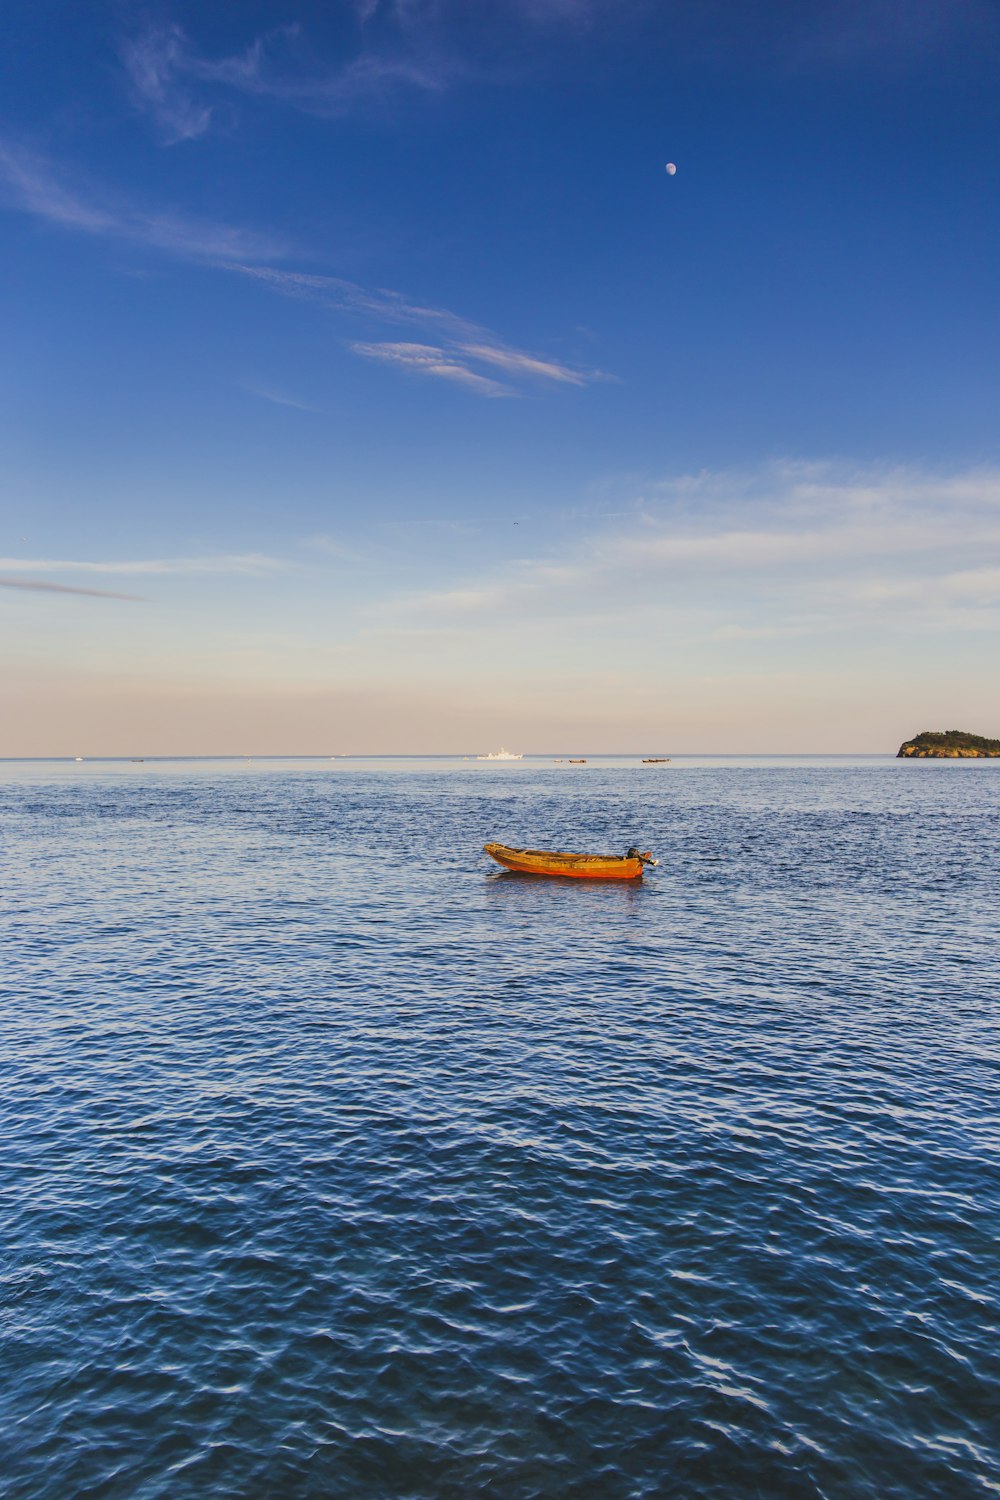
point(369, 385)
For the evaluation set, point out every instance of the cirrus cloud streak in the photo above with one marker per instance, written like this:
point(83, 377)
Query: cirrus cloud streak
point(787, 549)
point(43, 586)
point(245, 563)
point(31, 185)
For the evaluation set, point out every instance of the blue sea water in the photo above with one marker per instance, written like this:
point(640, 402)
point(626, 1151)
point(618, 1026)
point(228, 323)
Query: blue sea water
point(337, 1163)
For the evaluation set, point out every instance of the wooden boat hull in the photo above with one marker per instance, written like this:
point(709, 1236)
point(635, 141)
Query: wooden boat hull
point(573, 866)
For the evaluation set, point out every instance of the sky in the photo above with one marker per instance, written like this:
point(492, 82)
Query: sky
point(367, 384)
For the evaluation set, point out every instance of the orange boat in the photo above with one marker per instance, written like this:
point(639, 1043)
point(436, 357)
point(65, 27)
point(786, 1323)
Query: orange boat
point(577, 866)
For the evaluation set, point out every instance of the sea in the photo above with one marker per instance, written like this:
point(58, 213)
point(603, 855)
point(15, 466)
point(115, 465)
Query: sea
point(337, 1162)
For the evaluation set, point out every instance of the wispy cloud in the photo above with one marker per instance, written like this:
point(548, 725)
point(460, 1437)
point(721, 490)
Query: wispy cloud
point(462, 343)
point(156, 64)
point(247, 563)
point(424, 359)
point(277, 398)
point(172, 82)
point(788, 549)
point(979, 587)
point(32, 185)
point(328, 546)
point(378, 303)
point(514, 363)
point(408, 48)
point(398, 47)
point(42, 586)
point(369, 78)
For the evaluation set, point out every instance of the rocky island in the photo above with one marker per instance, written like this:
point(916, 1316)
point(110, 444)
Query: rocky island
point(948, 744)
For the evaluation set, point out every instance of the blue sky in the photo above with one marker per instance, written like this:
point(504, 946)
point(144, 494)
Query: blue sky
point(368, 384)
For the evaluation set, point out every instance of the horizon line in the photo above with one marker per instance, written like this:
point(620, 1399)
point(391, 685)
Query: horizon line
point(444, 755)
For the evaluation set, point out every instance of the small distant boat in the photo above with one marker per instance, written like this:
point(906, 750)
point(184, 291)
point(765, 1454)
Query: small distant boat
point(656, 760)
point(628, 866)
point(78, 757)
point(500, 754)
point(577, 762)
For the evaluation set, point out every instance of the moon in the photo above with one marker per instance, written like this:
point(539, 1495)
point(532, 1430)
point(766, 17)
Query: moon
point(671, 169)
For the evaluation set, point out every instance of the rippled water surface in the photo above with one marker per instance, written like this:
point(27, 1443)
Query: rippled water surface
point(336, 1163)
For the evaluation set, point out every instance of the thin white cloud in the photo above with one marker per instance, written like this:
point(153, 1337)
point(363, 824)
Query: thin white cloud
point(753, 551)
point(403, 47)
point(424, 359)
point(155, 64)
point(379, 303)
point(463, 343)
point(33, 186)
point(523, 364)
point(409, 48)
point(247, 563)
point(820, 548)
point(330, 547)
point(797, 486)
point(978, 587)
point(364, 80)
point(167, 77)
point(277, 398)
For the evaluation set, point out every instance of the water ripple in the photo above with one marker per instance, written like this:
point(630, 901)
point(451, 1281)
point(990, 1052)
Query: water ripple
point(336, 1164)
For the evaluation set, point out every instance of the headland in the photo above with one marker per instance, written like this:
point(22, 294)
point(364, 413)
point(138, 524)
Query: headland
point(948, 744)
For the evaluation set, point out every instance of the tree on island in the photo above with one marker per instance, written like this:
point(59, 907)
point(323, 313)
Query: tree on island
point(947, 744)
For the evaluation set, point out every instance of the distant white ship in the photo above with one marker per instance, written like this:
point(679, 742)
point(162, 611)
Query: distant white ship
point(500, 754)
